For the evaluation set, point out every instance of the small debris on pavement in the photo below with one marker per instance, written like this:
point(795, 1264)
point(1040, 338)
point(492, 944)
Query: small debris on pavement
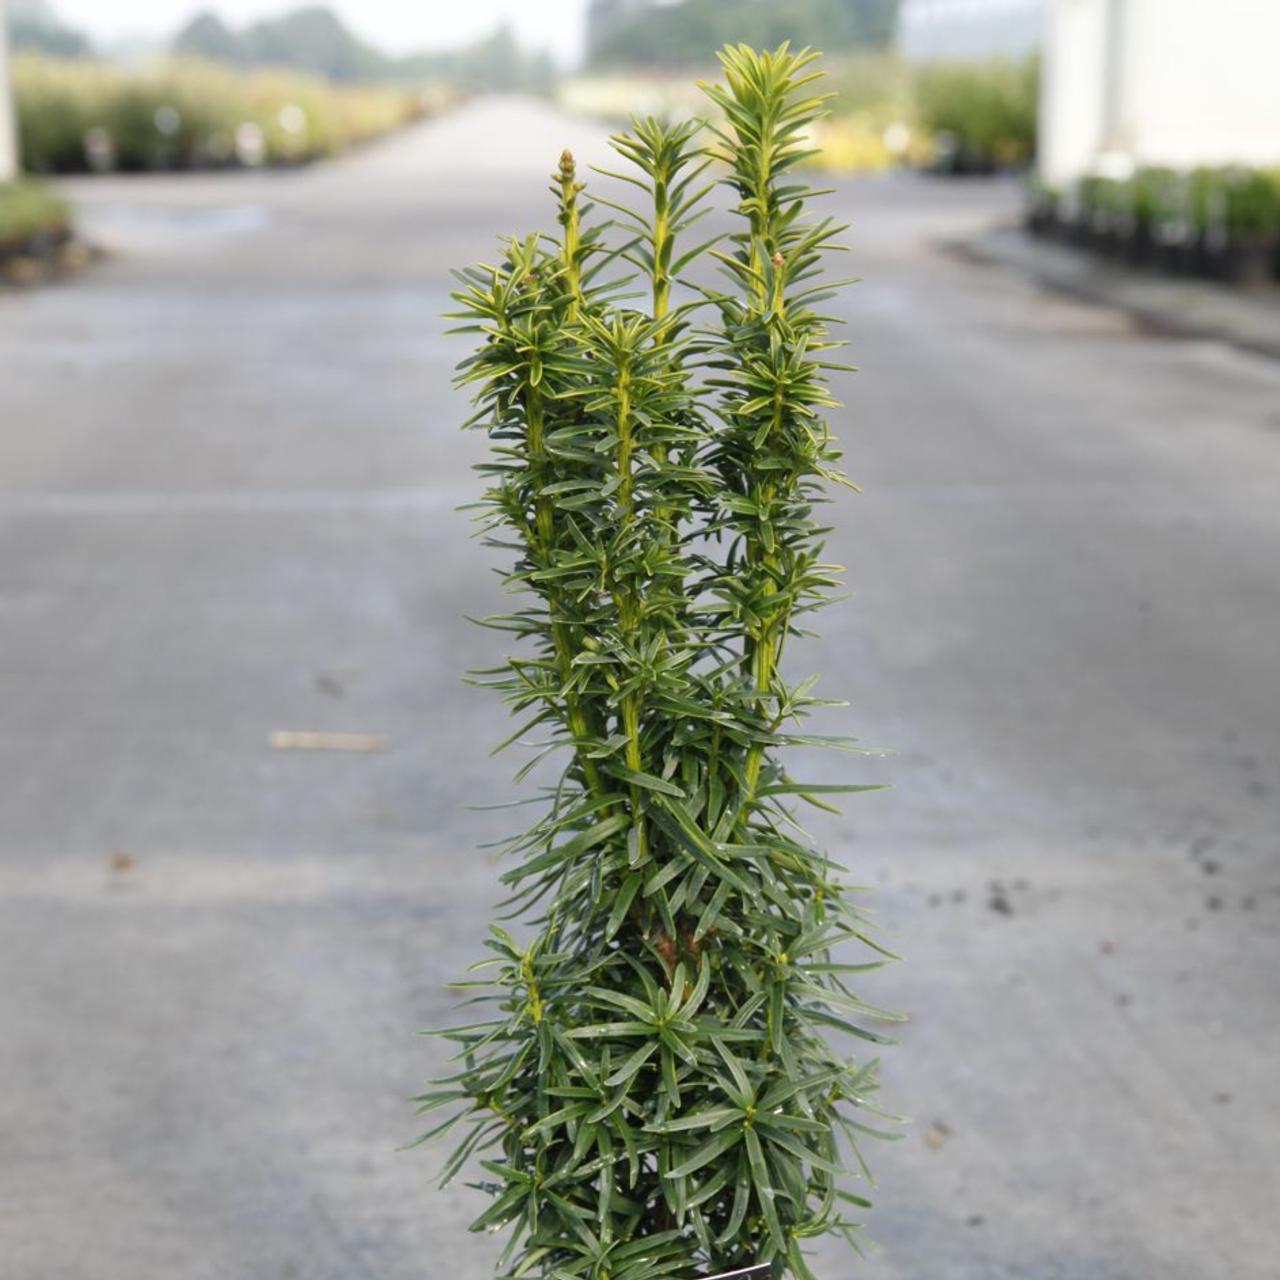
point(939, 1132)
point(307, 740)
point(121, 861)
point(999, 901)
point(330, 684)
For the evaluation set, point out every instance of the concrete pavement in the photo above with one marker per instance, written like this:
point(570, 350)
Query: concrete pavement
point(1182, 306)
point(228, 471)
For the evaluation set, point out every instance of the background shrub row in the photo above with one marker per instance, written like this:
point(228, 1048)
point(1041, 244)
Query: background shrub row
point(29, 210)
point(1220, 222)
point(956, 117)
point(79, 114)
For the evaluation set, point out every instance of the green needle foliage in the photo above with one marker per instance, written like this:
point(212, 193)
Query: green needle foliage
point(650, 1085)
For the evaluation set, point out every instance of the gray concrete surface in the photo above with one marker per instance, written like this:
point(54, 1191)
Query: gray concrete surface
point(1187, 307)
point(228, 468)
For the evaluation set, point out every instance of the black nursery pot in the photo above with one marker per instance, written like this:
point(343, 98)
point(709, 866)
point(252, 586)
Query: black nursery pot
point(1250, 261)
point(1109, 239)
point(43, 244)
point(1177, 257)
point(1041, 218)
point(1210, 256)
point(1140, 247)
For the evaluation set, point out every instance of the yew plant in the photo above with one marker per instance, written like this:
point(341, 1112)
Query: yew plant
point(650, 1085)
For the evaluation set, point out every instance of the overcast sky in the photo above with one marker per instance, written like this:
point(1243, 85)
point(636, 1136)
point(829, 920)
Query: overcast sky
point(397, 25)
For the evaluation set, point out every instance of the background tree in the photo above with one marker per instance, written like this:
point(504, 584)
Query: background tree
point(643, 33)
point(207, 36)
point(36, 27)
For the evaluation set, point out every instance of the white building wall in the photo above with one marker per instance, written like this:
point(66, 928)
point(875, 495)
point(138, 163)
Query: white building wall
point(1073, 89)
point(8, 122)
point(1179, 82)
point(1202, 82)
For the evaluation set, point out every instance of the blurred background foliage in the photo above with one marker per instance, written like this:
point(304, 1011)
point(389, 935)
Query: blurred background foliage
point(639, 33)
point(961, 117)
point(84, 114)
point(955, 117)
point(315, 40)
point(981, 114)
point(1221, 222)
point(283, 90)
point(34, 25)
point(28, 209)
point(302, 85)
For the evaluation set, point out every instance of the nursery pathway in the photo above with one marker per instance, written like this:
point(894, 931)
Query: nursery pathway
point(229, 468)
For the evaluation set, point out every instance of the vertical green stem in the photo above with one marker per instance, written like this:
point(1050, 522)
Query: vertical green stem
point(544, 526)
point(571, 238)
point(662, 237)
point(627, 604)
point(763, 651)
point(760, 220)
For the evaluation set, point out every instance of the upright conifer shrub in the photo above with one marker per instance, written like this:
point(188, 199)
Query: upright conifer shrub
point(649, 1085)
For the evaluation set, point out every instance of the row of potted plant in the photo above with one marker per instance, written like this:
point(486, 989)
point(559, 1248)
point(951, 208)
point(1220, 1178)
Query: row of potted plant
point(35, 223)
point(1218, 222)
point(81, 114)
point(981, 115)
